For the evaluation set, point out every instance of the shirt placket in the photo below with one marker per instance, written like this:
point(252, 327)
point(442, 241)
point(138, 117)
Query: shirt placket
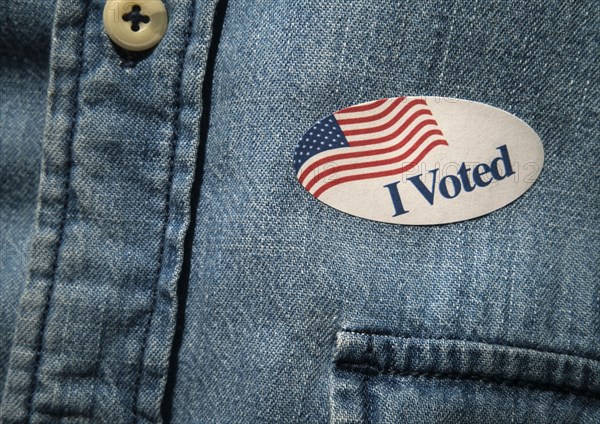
point(97, 316)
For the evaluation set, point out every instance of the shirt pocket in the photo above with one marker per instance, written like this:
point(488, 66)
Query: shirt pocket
point(380, 378)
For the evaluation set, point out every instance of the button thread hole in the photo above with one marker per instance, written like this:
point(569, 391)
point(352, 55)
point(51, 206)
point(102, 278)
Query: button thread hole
point(136, 17)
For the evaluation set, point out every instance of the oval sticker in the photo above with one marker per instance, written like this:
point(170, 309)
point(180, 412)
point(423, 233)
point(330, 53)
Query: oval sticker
point(419, 160)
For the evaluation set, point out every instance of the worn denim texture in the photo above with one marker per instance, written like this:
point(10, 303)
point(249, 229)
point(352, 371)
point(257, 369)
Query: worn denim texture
point(24, 50)
point(179, 272)
point(97, 313)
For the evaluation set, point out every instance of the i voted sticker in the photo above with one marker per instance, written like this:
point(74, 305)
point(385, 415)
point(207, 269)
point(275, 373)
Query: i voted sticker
point(419, 160)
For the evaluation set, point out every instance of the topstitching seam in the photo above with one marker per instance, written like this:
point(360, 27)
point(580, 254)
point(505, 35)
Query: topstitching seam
point(41, 335)
point(173, 142)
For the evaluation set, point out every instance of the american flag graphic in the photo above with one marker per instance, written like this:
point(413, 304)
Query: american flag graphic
point(371, 140)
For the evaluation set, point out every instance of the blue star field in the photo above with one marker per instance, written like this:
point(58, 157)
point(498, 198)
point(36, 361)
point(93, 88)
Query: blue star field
point(324, 135)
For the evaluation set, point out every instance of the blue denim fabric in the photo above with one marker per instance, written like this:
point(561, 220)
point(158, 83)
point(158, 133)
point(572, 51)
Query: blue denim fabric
point(92, 341)
point(178, 271)
point(24, 48)
point(276, 275)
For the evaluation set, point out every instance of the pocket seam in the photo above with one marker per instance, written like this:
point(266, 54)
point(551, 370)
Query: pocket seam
point(356, 353)
point(445, 339)
point(522, 384)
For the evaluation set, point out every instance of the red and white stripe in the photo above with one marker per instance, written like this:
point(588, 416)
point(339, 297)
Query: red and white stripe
point(386, 137)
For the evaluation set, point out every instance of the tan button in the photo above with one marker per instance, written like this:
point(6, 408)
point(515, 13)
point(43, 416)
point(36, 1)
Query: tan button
point(135, 25)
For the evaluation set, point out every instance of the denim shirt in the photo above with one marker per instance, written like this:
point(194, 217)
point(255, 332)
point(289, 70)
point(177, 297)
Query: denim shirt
point(160, 261)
